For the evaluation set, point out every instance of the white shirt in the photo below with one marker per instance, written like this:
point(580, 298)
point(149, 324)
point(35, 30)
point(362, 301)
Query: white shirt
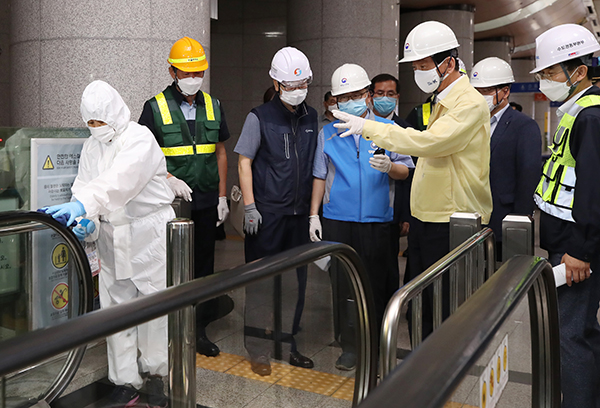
point(494, 120)
point(446, 91)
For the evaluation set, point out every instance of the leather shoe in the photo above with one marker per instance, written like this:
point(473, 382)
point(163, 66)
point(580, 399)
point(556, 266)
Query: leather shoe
point(206, 347)
point(298, 360)
point(261, 366)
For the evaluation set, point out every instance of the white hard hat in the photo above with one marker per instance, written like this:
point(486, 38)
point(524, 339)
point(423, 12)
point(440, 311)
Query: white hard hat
point(289, 65)
point(491, 71)
point(427, 39)
point(562, 43)
point(349, 78)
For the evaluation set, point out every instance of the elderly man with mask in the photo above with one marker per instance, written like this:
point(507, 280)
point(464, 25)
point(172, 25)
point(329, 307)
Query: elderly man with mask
point(122, 190)
point(516, 146)
point(452, 173)
point(355, 180)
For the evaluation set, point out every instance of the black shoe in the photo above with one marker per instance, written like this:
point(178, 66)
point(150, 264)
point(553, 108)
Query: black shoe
point(155, 388)
point(346, 361)
point(124, 396)
point(206, 347)
point(298, 360)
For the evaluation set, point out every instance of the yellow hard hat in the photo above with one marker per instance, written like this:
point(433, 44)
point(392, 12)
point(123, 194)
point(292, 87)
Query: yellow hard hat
point(188, 55)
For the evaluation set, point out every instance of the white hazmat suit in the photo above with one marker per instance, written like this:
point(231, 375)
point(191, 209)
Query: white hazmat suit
point(123, 187)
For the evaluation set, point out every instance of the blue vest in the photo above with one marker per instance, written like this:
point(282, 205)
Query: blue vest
point(282, 167)
point(355, 191)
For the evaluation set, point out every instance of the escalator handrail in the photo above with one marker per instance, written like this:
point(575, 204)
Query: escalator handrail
point(430, 374)
point(13, 222)
point(393, 311)
point(39, 345)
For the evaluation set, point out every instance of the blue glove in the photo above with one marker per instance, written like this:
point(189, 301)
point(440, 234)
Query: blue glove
point(85, 228)
point(73, 209)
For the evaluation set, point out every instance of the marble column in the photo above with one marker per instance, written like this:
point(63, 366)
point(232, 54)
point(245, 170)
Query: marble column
point(493, 47)
point(458, 17)
point(334, 32)
point(5, 63)
point(59, 46)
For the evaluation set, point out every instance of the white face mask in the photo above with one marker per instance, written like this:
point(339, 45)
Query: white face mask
point(556, 91)
point(103, 134)
point(295, 97)
point(429, 81)
point(190, 86)
point(331, 108)
point(490, 101)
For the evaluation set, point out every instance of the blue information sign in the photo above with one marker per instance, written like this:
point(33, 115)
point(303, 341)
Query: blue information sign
point(525, 87)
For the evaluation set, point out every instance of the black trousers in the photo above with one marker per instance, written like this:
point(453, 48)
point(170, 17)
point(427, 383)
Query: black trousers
point(428, 242)
point(276, 234)
point(205, 226)
point(579, 339)
point(372, 243)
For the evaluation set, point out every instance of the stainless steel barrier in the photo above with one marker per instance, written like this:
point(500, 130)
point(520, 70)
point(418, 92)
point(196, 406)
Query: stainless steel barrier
point(429, 376)
point(462, 227)
point(36, 346)
point(517, 236)
point(479, 267)
point(18, 222)
point(182, 328)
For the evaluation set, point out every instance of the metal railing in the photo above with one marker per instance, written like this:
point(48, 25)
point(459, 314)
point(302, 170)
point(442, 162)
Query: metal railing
point(36, 346)
point(20, 222)
point(428, 376)
point(475, 273)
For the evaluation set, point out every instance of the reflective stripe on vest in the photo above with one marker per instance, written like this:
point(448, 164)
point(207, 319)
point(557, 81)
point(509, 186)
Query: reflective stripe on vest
point(426, 113)
point(188, 150)
point(164, 109)
point(555, 192)
point(210, 110)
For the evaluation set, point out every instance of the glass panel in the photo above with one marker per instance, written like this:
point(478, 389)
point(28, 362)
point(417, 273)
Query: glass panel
point(502, 376)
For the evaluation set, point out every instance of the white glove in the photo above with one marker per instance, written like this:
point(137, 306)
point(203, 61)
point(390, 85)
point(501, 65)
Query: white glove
point(314, 228)
point(354, 124)
point(381, 162)
point(180, 188)
point(222, 210)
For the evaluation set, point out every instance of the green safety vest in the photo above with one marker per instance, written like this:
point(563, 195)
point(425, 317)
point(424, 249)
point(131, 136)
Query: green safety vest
point(556, 189)
point(192, 159)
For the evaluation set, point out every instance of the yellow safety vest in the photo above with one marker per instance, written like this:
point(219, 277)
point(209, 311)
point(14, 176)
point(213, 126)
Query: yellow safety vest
point(556, 190)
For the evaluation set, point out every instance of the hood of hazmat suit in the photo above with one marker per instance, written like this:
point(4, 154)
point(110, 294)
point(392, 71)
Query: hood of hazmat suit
point(123, 184)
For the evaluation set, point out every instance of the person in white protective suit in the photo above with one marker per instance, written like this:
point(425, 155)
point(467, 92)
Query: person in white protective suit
point(122, 188)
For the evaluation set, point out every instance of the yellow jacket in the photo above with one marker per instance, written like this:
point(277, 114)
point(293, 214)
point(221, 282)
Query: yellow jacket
point(452, 173)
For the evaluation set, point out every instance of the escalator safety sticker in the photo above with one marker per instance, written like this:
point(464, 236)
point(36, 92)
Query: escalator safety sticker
point(494, 377)
point(48, 164)
point(60, 256)
point(484, 395)
point(60, 296)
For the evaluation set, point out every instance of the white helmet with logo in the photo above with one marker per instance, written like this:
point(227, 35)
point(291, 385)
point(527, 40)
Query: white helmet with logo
point(491, 71)
point(427, 39)
point(349, 78)
point(562, 43)
point(290, 65)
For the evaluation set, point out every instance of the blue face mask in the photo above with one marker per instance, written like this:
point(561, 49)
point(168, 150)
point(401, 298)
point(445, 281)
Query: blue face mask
point(384, 105)
point(353, 107)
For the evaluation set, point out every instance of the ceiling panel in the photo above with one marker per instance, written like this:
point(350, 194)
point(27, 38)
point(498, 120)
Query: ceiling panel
point(522, 32)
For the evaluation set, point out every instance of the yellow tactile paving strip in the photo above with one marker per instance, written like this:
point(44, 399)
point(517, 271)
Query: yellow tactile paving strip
point(289, 376)
point(285, 375)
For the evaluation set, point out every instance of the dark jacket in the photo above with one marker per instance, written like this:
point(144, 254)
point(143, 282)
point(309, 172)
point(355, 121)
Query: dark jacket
point(282, 167)
point(402, 188)
point(581, 239)
point(515, 167)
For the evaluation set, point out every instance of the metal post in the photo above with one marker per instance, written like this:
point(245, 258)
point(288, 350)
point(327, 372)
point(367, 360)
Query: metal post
point(417, 320)
point(182, 328)
point(517, 236)
point(462, 227)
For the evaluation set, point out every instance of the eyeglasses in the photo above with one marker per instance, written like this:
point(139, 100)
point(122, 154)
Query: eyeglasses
point(547, 76)
point(292, 85)
point(355, 97)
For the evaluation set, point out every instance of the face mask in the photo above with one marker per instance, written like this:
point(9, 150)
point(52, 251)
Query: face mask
point(295, 97)
point(331, 108)
point(490, 101)
point(103, 134)
point(429, 81)
point(384, 104)
point(190, 86)
point(353, 107)
point(556, 91)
